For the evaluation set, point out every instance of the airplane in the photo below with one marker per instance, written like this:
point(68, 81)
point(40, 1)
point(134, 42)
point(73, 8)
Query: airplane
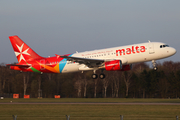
point(110, 59)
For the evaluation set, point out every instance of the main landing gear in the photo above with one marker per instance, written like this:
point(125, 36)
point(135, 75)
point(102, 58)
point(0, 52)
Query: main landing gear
point(95, 76)
point(154, 65)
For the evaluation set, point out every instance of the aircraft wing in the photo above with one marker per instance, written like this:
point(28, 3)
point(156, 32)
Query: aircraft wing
point(86, 61)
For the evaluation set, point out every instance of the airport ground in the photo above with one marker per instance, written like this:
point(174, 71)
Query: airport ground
point(89, 109)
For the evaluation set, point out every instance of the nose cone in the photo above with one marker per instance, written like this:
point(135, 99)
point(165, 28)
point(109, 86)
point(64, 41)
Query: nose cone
point(173, 51)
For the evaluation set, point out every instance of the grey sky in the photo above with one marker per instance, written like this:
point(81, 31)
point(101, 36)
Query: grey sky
point(65, 26)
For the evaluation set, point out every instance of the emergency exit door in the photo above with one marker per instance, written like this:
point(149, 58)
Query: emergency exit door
point(151, 48)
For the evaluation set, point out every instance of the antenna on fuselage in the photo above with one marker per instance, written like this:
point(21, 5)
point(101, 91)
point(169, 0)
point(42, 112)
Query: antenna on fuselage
point(149, 41)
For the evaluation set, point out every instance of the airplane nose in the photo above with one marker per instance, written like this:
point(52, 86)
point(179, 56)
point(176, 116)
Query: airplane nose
point(173, 51)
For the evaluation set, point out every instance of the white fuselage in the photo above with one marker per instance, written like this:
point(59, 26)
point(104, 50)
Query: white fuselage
point(127, 54)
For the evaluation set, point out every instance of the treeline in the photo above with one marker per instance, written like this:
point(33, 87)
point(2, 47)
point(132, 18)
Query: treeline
point(140, 82)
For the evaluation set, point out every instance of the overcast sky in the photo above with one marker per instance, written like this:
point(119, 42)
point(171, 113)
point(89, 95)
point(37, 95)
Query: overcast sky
point(65, 26)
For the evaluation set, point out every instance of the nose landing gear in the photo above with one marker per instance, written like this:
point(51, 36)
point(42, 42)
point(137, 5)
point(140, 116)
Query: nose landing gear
point(154, 65)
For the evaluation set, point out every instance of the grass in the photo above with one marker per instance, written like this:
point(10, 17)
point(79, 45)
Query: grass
point(89, 112)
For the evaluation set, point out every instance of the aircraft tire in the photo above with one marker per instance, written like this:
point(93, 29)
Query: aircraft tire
point(155, 68)
point(94, 76)
point(102, 76)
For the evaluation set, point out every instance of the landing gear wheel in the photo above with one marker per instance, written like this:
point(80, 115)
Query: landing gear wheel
point(155, 68)
point(94, 76)
point(102, 76)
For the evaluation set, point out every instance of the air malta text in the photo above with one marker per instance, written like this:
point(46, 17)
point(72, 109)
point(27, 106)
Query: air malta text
point(133, 50)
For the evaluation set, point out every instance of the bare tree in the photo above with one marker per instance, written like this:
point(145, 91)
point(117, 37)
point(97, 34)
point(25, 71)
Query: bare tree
point(39, 84)
point(138, 69)
point(115, 83)
point(78, 87)
point(4, 74)
point(171, 68)
point(78, 84)
point(105, 82)
point(163, 87)
point(95, 87)
point(126, 77)
point(26, 76)
point(84, 82)
point(112, 87)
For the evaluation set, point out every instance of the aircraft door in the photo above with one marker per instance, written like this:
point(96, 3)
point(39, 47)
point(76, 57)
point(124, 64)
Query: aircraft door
point(151, 48)
point(42, 66)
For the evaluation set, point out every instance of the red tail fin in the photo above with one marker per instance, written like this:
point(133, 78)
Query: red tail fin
point(22, 51)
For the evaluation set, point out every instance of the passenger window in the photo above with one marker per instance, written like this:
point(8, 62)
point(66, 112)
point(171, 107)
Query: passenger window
point(161, 46)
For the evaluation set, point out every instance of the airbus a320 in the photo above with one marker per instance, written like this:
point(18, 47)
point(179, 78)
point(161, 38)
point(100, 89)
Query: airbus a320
point(111, 59)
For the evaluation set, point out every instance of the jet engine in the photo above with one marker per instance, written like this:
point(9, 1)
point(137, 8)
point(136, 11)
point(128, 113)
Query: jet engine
point(113, 65)
point(116, 65)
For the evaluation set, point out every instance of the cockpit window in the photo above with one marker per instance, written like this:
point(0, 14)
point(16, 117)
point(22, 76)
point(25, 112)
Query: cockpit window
point(163, 46)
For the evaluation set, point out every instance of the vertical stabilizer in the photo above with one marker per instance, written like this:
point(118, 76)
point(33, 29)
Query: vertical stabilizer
point(22, 51)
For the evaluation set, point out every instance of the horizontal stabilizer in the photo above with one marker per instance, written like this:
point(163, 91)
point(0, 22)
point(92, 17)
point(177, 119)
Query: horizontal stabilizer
point(22, 66)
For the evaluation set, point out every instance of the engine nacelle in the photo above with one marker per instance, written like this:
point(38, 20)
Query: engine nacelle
point(113, 65)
